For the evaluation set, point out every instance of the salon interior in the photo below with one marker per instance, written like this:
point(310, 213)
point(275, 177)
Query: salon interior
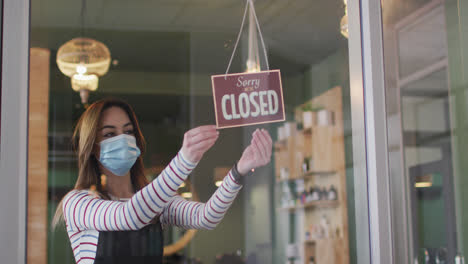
point(159, 56)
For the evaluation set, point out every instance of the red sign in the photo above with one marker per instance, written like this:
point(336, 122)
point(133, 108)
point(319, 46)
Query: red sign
point(243, 99)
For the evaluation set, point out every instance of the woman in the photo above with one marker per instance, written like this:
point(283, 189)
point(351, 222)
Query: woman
point(121, 222)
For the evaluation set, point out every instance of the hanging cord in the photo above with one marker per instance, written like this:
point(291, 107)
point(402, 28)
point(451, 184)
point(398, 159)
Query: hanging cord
point(248, 2)
point(260, 33)
point(238, 37)
point(82, 17)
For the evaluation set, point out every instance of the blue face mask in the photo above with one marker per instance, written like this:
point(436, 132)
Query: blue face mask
point(118, 154)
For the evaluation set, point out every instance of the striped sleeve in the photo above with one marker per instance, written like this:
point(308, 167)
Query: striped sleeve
point(195, 215)
point(83, 211)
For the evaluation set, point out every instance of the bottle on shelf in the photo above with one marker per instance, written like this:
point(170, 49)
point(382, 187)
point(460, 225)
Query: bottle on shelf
point(311, 164)
point(306, 165)
point(316, 232)
point(311, 260)
point(292, 253)
point(309, 196)
point(308, 119)
point(325, 224)
point(290, 129)
point(281, 133)
point(323, 193)
point(303, 197)
point(284, 173)
point(286, 196)
point(315, 194)
point(325, 118)
point(300, 187)
point(332, 194)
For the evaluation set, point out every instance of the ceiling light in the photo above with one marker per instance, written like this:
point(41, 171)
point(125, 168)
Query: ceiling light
point(186, 195)
point(81, 69)
point(344, 21)
point(344, 26)
point(423, 181)
point(423, 184)
point(84, 60)
point(219, 174)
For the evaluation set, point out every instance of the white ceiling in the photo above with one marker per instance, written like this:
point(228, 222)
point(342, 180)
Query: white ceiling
point(422, 42)
point(301, 31)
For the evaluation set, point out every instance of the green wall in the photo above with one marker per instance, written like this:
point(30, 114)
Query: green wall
point(457, 29)
point(315, 80)
point(432, 224)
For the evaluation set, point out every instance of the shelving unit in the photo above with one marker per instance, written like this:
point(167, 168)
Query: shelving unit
point(324, 145)
point(314, 204)
point(307, 175)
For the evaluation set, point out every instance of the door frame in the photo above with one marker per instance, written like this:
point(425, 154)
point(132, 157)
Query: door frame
point(14, 130)
point(371, 186)
point(370, 142)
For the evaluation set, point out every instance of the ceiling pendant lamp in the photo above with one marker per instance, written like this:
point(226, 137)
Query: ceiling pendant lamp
point(84, 60)
point(344, 22)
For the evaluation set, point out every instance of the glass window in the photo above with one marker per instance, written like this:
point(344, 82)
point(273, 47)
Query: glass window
point(159, 56)
point(425, 52)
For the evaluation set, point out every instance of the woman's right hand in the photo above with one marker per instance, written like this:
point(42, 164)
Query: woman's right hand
point(197, 141)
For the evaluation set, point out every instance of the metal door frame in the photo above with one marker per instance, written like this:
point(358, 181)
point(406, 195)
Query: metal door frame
point(14, 130)
point(371, 186)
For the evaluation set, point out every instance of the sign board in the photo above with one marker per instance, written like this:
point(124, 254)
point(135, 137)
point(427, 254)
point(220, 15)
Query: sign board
point(243, 99)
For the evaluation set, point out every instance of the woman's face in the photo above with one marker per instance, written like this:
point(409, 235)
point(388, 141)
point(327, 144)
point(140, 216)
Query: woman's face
point(114, 121)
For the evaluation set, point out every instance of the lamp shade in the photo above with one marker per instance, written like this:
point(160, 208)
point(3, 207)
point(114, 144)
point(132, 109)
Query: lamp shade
point(344, 26)
point(344, 21)
point(83, 56)
point(84, 60)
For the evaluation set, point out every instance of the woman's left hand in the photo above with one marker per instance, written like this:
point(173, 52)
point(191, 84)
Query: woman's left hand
point(197, 141)
point(257, 154)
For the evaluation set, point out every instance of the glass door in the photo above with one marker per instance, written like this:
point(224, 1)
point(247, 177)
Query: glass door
point(426, 109)
point(300, 208)
point(309, 207)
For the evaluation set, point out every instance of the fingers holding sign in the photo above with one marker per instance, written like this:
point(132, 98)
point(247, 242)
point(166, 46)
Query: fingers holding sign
point(258, 153)
point(264, 144)
point(197, 141)
point(200, 139)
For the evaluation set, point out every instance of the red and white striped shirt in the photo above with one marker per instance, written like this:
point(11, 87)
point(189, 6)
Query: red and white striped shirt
point(86, 215)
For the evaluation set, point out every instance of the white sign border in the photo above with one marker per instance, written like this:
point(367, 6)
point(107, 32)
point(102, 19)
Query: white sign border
point(245, 73)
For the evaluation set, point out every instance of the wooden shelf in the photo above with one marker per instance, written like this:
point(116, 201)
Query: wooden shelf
point(308, 175)
point(325, 146)
point(314, 204)
point(309, 130)
point(279, 145)
point(306, 131)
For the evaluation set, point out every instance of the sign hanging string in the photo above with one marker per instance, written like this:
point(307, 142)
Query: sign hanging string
point(247, 4)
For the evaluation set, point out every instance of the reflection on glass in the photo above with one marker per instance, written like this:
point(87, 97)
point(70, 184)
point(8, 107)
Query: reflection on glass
point(425, 104)
point(299, 208)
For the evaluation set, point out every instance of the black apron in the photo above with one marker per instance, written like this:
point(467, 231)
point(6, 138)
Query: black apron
point(131, 247)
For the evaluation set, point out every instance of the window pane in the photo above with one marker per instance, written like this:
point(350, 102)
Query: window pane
point(426, 103)
point(299, 208)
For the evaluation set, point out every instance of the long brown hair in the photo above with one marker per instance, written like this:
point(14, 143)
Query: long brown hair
point(84, 140)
